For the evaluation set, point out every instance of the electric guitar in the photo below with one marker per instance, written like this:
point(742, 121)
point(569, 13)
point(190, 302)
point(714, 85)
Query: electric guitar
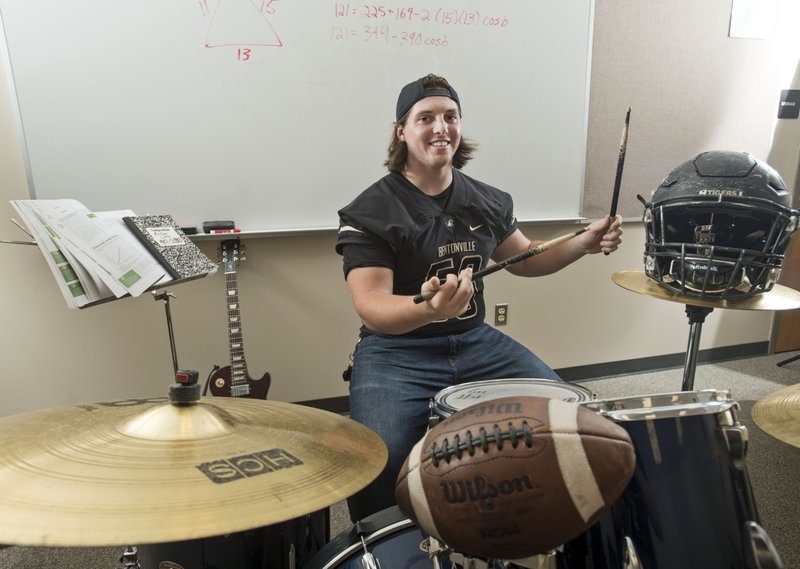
point(233, 380)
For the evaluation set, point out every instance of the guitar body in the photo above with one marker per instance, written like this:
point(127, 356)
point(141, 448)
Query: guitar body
point(234, 380)
point(221, 385)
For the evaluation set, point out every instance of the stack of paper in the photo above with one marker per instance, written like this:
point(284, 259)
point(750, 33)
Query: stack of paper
point(93, 255)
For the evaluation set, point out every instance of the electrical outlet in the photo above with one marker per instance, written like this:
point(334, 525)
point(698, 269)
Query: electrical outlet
point(500, 314)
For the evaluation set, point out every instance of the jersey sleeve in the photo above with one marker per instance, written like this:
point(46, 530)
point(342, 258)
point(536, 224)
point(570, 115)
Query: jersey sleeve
point(507, 221)
point(361, 248)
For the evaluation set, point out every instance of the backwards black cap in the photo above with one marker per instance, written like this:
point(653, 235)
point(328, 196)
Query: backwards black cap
point(416, 90)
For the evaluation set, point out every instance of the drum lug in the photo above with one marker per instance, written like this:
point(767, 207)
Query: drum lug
point(439, 553)
point(368, 560)
point(764, 553)
point(630, 559)
point(433, 416)
point(736, 438)
point(129, 559)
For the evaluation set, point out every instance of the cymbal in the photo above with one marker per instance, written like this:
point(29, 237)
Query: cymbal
point(144, 471)
point(779, 298)
point(778, 414)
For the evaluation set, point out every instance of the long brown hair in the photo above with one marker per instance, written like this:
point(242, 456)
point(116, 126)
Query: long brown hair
point(398, 150)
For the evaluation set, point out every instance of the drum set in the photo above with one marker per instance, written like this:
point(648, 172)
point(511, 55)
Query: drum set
point(180, 482)
point(690, 502)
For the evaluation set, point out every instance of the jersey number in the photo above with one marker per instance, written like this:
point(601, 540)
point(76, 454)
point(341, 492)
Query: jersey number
point(444, 267)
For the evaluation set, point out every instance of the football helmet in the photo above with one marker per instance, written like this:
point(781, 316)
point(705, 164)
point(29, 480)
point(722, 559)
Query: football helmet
point(718, 226)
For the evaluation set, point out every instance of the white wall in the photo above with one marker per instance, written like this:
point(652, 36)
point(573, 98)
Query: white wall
point(298, 320)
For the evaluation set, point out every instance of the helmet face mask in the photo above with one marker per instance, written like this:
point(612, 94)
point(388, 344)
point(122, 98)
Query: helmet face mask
point(718, 227)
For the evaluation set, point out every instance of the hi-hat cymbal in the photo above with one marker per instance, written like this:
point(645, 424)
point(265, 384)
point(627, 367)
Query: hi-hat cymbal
point(148, 471)
point(779, 298)
point(778, 414)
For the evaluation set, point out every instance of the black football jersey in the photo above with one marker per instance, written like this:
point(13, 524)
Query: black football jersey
point(393, 224)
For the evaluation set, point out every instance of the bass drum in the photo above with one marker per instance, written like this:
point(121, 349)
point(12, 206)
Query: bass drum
point(387, 537)
point(287, 545)
point(389, 540)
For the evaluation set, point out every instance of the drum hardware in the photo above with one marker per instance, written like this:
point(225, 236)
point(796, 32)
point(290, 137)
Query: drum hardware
point(129, 559)
point(788, 360)
point(165, 296)
point(180, 469)
point(630, 559)
point(368, 560)
point(736, 438)
point(444, 557)
point(765, 556)
point(433, 417)
point(779, 298)
point(697, 316)
point(735, 434)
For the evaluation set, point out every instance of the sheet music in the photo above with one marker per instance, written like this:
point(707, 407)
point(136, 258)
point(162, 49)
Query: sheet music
point(100, 256)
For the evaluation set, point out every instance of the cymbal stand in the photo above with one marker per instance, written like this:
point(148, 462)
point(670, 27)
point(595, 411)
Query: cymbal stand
point(697, 315)
point(788, 360)
point(165, 296)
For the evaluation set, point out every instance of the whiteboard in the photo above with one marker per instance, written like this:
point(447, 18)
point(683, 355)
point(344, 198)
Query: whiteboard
point(277, 113)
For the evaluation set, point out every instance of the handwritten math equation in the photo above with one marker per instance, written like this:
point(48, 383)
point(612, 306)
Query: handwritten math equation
point(393, 23)
point(247, 25)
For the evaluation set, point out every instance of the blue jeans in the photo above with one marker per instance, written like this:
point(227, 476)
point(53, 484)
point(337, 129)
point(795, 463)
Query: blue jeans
point(394, 380)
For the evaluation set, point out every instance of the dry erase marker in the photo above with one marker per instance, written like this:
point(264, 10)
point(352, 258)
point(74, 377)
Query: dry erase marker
point(218, 231)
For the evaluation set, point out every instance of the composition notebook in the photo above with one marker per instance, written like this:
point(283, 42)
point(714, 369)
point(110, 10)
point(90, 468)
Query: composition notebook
point(169, 245)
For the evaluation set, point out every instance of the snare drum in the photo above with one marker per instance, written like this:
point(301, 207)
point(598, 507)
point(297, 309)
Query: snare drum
point(457, 397)
point(689, 503)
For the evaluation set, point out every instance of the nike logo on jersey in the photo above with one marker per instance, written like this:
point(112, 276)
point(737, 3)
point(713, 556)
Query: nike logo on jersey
point(475, 227)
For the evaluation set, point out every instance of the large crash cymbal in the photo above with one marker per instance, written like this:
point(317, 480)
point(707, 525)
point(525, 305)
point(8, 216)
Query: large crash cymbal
point(779, 298)
point(149, 471)
point(778, 414)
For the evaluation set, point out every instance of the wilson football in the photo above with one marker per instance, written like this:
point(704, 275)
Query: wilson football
point(514, 477)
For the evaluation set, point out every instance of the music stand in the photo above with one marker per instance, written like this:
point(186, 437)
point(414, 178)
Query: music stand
point(779, 298)
point(155, 290)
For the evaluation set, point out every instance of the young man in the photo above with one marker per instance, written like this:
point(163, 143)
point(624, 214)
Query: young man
point(426, 227)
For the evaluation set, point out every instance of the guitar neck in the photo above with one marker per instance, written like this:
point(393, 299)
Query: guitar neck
point(235, 339)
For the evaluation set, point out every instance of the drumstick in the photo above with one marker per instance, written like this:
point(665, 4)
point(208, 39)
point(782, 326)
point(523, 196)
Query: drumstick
point(510, 261)
point(623, 147)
